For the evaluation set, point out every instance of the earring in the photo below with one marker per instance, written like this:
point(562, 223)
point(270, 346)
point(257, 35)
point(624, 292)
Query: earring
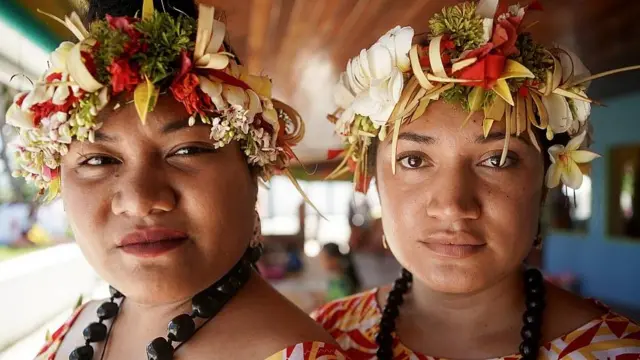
point(384, 242)
point(537, 241)
point(256, 238)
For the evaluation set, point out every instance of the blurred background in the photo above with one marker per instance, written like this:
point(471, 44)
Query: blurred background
point(591, 235)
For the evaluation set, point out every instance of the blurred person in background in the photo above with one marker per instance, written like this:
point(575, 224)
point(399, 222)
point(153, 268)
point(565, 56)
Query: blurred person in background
point(375, 264)
point(16, 220)
point(156, 137)
point(343, 277)
point(465, 129)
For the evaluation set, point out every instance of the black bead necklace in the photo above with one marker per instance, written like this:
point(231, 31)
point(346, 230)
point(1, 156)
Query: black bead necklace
point(205, 305)
point(532, 318)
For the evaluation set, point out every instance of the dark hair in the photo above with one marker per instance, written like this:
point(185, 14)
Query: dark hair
point(98, 9)
point(333, 250)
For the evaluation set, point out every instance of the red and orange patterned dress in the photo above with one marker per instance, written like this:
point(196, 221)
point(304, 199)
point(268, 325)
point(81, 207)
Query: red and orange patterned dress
point(302, 351)
point(354, 323)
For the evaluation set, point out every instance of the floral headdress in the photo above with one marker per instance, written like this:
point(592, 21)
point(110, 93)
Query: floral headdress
point(142, 57)
point(481, 57)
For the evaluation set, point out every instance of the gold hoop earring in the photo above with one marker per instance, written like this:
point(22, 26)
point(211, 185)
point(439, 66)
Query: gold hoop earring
point(537, 240)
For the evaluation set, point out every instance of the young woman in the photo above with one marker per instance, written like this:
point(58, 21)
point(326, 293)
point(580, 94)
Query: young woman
point(156, 138)
point(463, 130)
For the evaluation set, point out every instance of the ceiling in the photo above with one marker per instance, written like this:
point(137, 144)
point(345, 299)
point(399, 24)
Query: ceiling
point(303, 44)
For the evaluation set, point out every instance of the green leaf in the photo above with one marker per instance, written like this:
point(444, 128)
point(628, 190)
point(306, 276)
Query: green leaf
point(145, 97)
point(476, 100)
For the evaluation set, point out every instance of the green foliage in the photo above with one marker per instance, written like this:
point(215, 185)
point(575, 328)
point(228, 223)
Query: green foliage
point(461, 23)
point(458, 95)
point(365, 124)
point(533, 56)
point(166, 37)
point(111, 45)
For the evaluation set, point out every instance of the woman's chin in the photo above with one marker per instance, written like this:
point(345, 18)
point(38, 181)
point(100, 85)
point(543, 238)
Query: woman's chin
point(451, 278)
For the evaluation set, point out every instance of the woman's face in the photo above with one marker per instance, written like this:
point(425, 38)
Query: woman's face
point(160, 181)
point(452, 216)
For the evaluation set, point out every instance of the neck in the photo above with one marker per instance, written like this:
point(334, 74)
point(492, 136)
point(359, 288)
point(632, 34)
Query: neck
point(144, 322)
point(470, 310)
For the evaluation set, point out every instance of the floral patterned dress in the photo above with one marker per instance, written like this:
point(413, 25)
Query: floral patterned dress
point(354, 323)
point(302, 351)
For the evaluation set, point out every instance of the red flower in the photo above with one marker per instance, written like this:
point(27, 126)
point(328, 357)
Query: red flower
point(21, 99)
point(185, 66)
point(186, 91)
point(123, 77)
point(486, 71)
point(480, 52)
point(49, 172)
point(505, 35)
point(126, 25)
point(88, 61)
point(123, 23)
point(45, 109)
point(54, 77)
point(332, 154)
point(523, 91)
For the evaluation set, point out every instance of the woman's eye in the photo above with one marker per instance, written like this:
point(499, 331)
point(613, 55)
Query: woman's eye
point(99, 161)
point(494, 162)
point(192, 150)
point(412, 162)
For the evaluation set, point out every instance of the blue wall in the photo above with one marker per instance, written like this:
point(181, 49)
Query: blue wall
point(608, 267)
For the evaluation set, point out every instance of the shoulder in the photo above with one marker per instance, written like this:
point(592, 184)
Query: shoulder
point(309, 351)
point(589, 328)
point(608, 337)
point(54, 340)
point(356, 311)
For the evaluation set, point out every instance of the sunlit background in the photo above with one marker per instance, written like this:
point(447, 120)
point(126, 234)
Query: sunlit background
point(592, 235)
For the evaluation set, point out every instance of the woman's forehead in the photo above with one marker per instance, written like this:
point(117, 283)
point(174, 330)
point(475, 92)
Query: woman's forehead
point(445, 121)
point(123, 116)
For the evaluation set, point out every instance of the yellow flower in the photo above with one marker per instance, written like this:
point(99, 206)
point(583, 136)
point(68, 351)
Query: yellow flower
point(564, 163)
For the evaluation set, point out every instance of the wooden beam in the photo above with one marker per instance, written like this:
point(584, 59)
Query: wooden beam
point(259, 21)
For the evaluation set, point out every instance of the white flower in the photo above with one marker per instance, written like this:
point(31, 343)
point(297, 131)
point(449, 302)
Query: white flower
point(516, 10)
point(560, 115)
point(61, 93)
point(214, 90)
point(219, 129)
point(59, 57)
point(379, 101)
point(37, 95)
point(398, 41)
point(487, 30)
point(373, 81)
point(582, 109)
point(18, 118)
point(234, 95)
point(103, 98)
point(564, 163)
point(343, 125)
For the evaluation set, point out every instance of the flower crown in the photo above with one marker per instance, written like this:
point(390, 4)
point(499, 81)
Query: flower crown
point(481, 57)
point(143, 57)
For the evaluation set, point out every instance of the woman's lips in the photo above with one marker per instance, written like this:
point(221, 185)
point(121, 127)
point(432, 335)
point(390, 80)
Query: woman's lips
point(151, 242)
point(454, 251)
point(451, 244)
